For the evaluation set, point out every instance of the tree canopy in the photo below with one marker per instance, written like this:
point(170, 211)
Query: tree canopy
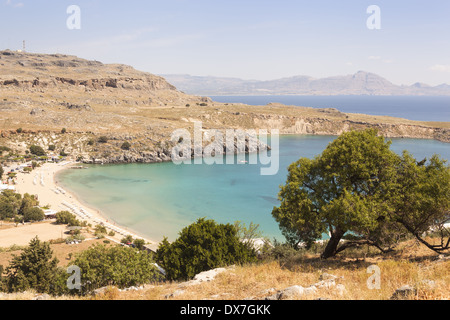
point(359, 187)
point(121, 266)
point(202, 246)
point(35, 268)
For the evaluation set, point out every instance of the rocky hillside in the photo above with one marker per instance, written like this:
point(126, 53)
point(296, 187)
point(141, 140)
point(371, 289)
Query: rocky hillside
point(89, 110)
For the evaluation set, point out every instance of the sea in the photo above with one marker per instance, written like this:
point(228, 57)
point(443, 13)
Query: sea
point(420, 108)
point(159, 200)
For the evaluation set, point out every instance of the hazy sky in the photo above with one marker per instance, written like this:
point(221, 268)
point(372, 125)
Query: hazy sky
point(250, 39)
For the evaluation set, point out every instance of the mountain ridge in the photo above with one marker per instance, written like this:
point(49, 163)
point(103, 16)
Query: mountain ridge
point(359, 83)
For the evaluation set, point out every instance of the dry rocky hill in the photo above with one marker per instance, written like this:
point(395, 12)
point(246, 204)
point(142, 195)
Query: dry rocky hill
point(40, 94)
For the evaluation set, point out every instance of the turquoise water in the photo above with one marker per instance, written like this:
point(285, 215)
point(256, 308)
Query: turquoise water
point(157, 200)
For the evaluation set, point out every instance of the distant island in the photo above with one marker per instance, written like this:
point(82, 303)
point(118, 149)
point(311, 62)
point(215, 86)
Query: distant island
point(360, 83)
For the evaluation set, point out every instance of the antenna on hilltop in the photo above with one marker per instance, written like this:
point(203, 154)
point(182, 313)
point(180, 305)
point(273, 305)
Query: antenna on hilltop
point(23, 48)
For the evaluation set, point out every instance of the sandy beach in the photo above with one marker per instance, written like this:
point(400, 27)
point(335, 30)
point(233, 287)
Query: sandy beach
point(41, 182)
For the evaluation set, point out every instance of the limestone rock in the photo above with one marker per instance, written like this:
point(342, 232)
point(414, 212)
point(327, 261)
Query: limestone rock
point(403, 293)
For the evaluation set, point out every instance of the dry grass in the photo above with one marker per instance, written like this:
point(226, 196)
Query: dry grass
point(413, 265)
point(60, 250)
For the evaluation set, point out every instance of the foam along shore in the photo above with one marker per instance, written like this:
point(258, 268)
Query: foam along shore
point(42, 183)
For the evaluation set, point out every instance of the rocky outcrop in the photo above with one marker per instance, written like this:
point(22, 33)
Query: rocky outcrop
point(323, 126)
point(297, 292)
point(145, 83)
point(34, 71)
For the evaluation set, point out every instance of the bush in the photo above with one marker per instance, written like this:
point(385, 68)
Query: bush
point(52, 147)
point(139, 244)
point(103, 139)
point(37, 150)
point(35, 268)
point(202, 246)
point(126, 240)
point(33, 214)
point(76, 237)
point(120, 266)
point(10, 203)
point(65, 217)
point(126, 146)
point(100, 229)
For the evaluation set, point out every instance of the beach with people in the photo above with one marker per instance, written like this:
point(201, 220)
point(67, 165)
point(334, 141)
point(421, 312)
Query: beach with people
point(42, 183)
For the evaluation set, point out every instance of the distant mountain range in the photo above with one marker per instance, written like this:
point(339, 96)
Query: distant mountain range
point(360, 83)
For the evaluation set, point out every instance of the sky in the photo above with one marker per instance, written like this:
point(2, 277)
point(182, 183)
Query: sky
point(248, 39)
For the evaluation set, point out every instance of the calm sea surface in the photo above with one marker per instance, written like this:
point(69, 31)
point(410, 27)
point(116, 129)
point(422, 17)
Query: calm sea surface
point(158, 200)
point(422, 108)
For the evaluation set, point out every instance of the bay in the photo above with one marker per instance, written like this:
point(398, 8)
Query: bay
point(157, 200)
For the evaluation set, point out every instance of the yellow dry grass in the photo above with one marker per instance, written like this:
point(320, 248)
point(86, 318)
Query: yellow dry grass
point(413, 265)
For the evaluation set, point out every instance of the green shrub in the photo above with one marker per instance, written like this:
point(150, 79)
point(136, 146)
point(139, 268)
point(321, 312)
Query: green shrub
point(120, 266)
point(139, 243)
point(127, 239)
point(37, 150)
point(35, 268)
point(126, 146)
point(103, 139)
point(202, 246)
point(100, 229)
point(33, 214)
point(65, 217)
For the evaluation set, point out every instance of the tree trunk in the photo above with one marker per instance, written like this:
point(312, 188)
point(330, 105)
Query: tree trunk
point(331, 248)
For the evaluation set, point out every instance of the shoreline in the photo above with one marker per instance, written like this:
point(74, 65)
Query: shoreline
point(43, 182)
